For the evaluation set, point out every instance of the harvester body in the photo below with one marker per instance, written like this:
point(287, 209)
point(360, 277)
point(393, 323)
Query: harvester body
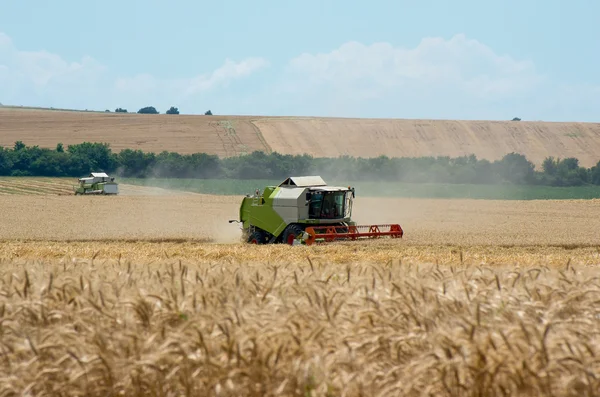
point(303, 210)
point(97, 183)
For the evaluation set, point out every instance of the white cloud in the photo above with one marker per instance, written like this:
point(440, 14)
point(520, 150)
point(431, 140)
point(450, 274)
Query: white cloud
point(5, 41)
point(439, 78)
point(222, 76)
point(434, 73)
point(147, 89)
point(43, 68)
point(46, 79)
point(40, 69)
point(226, 73)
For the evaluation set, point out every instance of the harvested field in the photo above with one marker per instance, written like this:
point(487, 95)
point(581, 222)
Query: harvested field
point(329, 137)
point(198, 216)
point(152, 133)
point(64, 187)
point(323, 137)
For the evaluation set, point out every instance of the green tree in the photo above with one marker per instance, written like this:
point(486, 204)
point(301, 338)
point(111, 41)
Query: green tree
point(23, 157)
point(550, 166)
point(173, 110)
point(6, 163)
point(564, 166)
point(19, 145)
point(99, 155)
point(208, 113)
point(48, 163)
point(135, 163)
point(148, 110)
point(78, 164)
point(515, 168)
point(570, 173)
point(595, 174)
point(120, 110)
point(80, 159)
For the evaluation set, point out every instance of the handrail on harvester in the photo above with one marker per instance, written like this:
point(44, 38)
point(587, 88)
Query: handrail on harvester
point(352, 232)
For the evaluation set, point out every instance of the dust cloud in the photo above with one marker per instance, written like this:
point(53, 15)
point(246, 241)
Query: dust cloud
point(225, 232)
point(138, 213)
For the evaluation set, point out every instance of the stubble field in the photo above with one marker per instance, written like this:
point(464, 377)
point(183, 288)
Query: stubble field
point(318, 136)
point(153, 294)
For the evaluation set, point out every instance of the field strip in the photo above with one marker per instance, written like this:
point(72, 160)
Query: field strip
point(13, 192)
point(64, 184)
point(33, 190)
point(45, 187)
point(37, 185)
point(17, 190)
point(40, 181)
point(381, 252)
point(59, 182)
point(152, 215)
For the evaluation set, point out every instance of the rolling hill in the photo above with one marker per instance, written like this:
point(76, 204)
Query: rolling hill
point(321, 137)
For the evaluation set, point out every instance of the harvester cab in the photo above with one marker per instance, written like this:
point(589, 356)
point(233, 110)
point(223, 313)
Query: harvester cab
point(305, 210)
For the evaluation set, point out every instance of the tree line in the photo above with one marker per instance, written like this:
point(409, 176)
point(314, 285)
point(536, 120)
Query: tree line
point(81, 159)
point(152, 110)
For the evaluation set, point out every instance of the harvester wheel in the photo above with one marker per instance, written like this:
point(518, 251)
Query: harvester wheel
point(258, 237)
point(291, 233)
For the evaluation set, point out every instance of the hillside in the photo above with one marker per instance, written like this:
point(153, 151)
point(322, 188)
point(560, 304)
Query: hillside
point(328, 137)
point(153, 133)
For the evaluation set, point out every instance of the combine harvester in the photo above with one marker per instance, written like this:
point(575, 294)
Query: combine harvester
point(304, 210)
point(97, 183)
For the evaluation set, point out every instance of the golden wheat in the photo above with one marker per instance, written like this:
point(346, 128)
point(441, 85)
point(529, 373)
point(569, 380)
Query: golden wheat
point(297, 326)
point(132, 296)
point(372, 251)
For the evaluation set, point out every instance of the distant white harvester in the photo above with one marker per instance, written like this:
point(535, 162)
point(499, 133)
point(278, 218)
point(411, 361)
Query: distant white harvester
point(97, 183)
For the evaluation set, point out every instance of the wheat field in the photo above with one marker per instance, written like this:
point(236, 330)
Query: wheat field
point(153, 294)
point(226, 135)
point(230, 327)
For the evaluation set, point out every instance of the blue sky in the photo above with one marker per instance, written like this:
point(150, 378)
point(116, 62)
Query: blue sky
point(537, 60)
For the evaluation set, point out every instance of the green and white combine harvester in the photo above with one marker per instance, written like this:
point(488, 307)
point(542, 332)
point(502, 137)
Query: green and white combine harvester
point(97, 183)
point(304, 210)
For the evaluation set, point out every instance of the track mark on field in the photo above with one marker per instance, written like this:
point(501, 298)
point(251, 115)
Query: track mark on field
point(261, 138)
point(38, 185)
point(33, 187)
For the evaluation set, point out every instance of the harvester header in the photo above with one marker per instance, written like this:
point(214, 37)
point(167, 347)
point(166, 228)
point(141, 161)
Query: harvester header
point(305, 210)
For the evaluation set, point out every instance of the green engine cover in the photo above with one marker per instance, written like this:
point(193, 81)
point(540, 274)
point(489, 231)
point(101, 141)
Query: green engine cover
point(259, 212)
